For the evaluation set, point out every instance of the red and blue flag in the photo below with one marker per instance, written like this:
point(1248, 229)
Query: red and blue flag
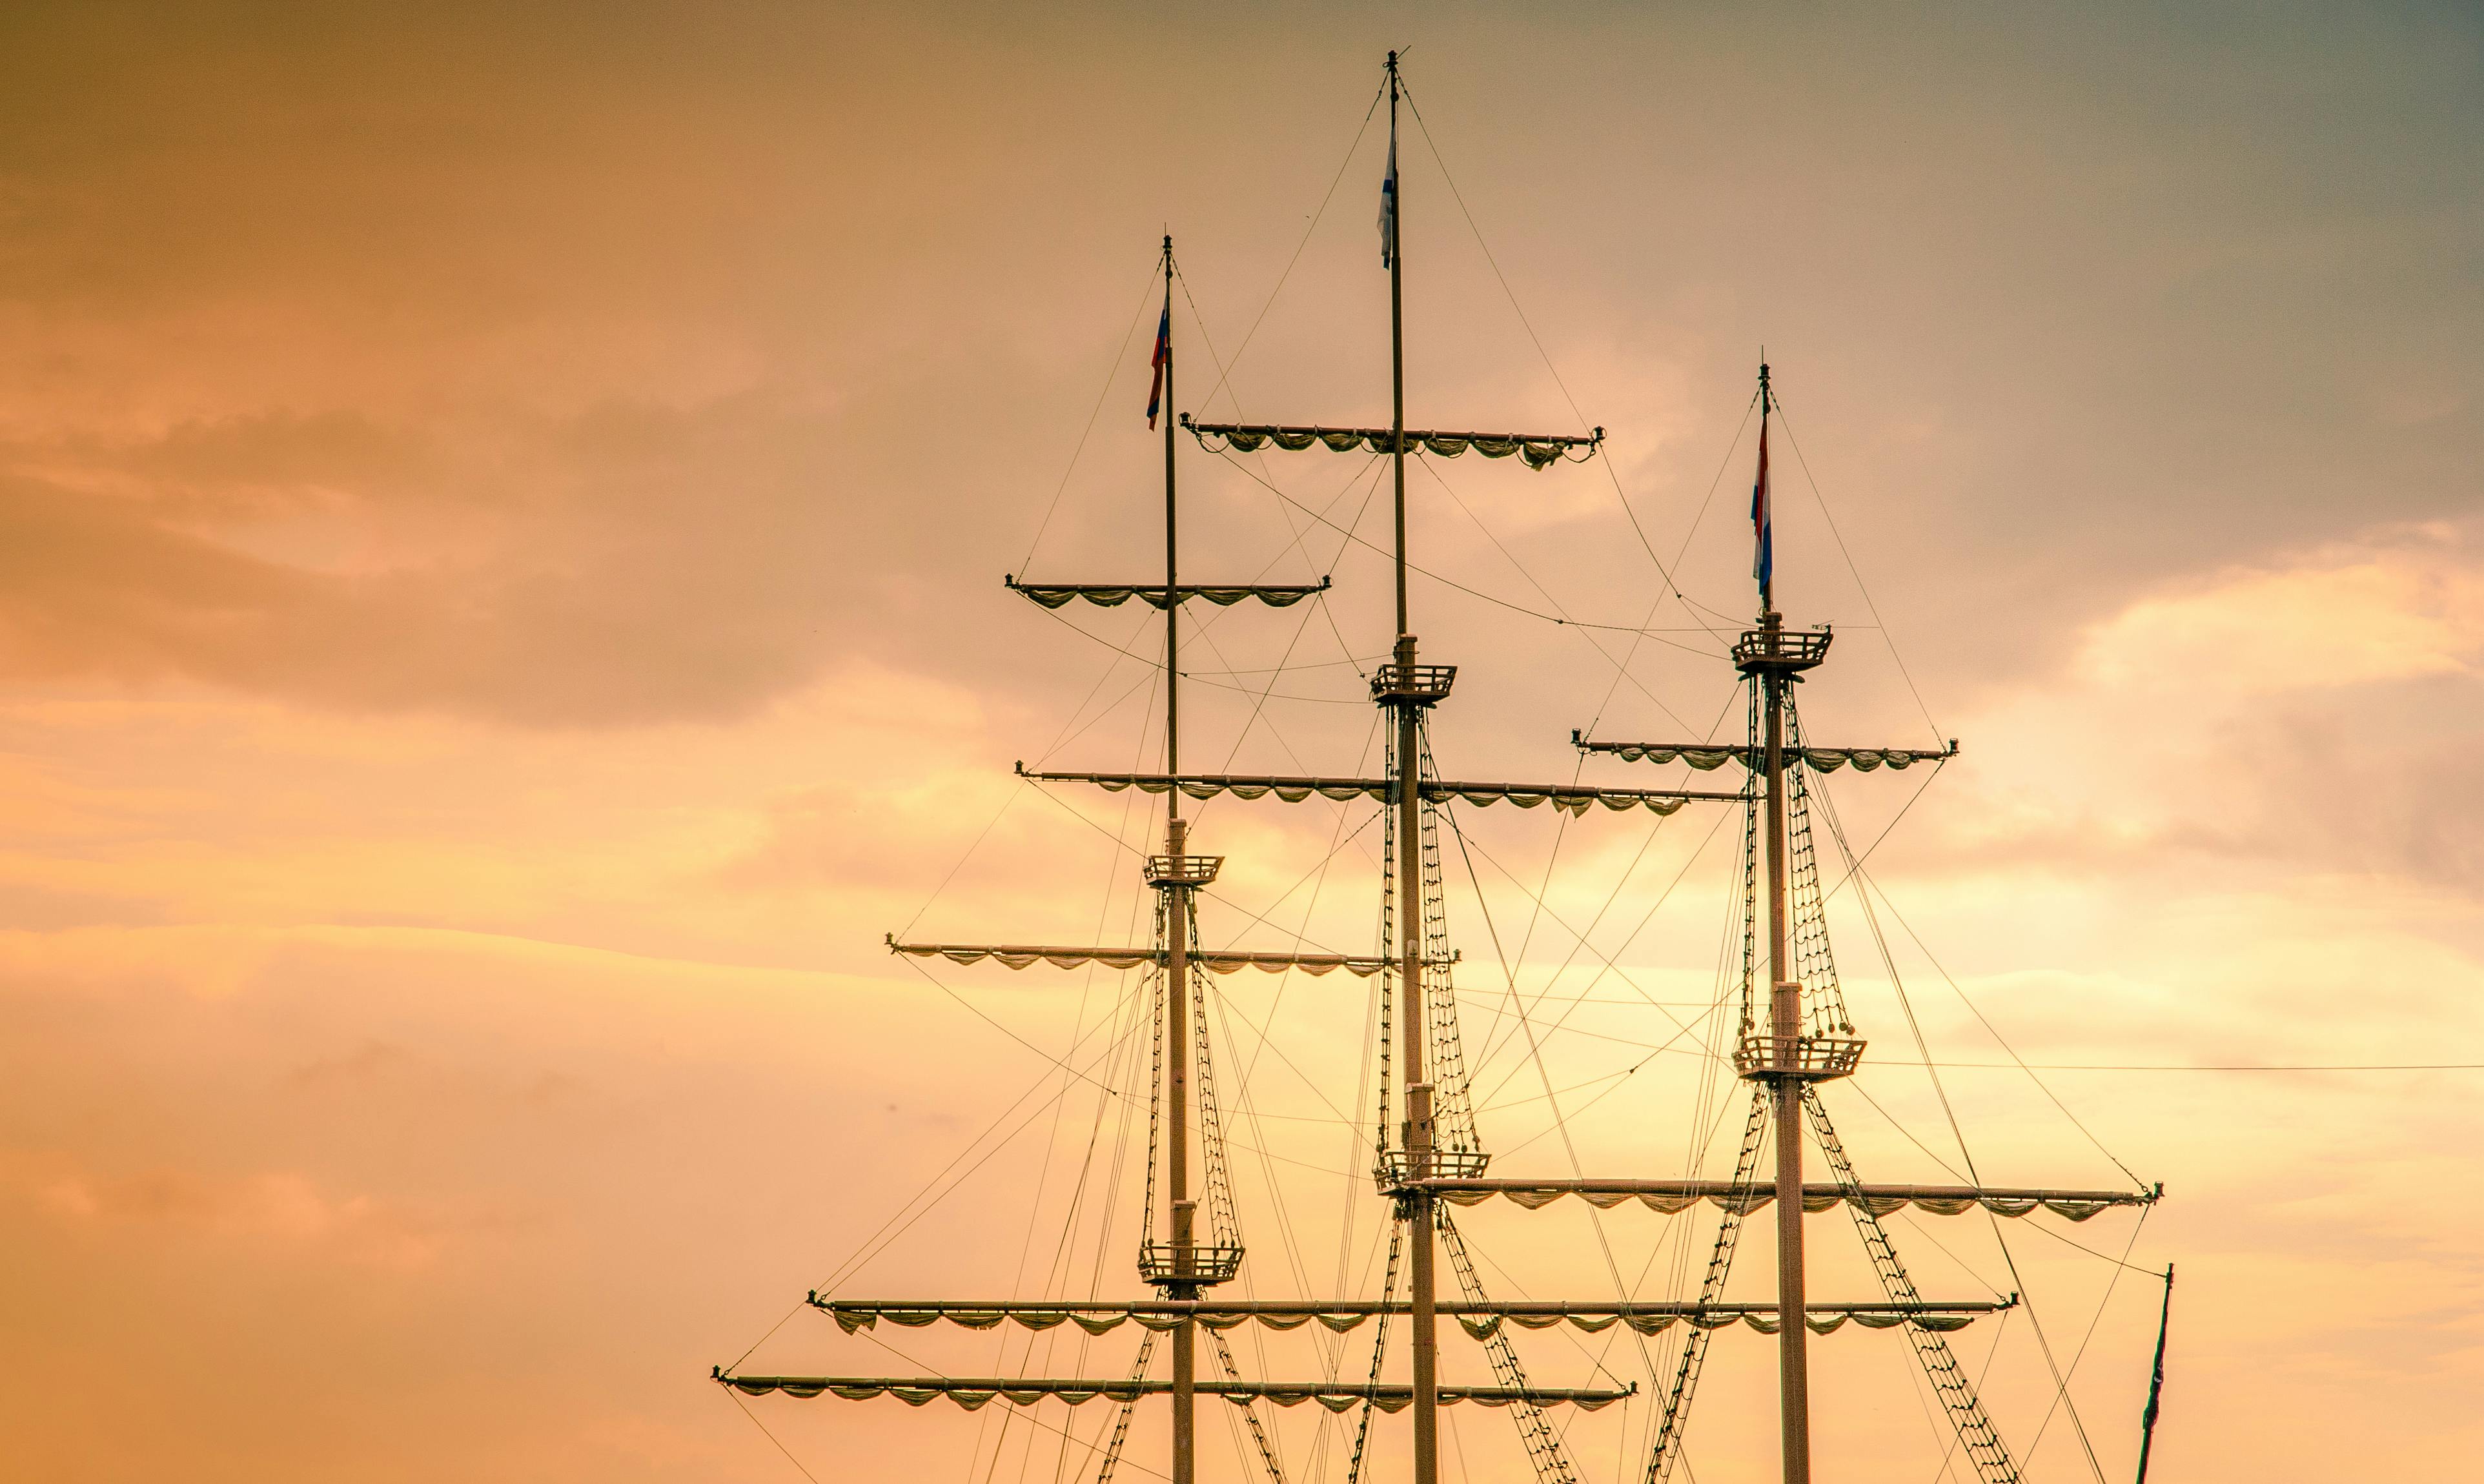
point(1162, 359)
point(1762, 553)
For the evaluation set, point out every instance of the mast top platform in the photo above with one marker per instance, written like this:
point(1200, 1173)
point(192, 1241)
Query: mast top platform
point(1182, 870)
point(1771, 649)
point(1188, 1264)
point(1413, 685)
point(1797, 1058)
point(1399, 1170)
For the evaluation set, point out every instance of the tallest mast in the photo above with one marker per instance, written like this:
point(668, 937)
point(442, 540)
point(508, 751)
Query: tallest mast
point(1408, 693)
point(1174, 875)
point(1785, 994)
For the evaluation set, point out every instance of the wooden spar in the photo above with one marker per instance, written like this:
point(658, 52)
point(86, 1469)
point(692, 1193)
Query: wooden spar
point(1785, 1025)
point(1282, 1308)
point(1183, 1210)
point(975, 1391)
point(1417, 1207)
point(1814, 1196)
point(1294, 787)
point(1217, 960)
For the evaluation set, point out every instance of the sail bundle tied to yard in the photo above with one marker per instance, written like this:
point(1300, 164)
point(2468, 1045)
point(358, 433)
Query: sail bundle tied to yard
point(1673, 1196)
point(1709, 758)
point(1537, 450)
point(1566, 797)
point(973, 1393)
point(1219, 961)
point(1481, 1321)
point(1112, 595)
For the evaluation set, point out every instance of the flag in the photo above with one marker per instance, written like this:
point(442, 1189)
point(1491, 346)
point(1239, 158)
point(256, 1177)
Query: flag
point(1163, 357)
point(1761, 552)
point(1389, 203)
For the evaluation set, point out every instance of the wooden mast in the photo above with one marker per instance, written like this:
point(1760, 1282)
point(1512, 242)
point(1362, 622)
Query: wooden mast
point(1419, 1130)
point(1183, 1210)
point(1784, 1020)
point(1785, 1026)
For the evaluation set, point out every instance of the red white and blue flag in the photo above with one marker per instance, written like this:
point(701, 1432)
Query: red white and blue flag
point(1162, 359)
point(1762, 556)
point(1389, 202)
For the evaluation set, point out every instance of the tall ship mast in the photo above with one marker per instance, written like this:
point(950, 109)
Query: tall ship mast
point(1794, 1034)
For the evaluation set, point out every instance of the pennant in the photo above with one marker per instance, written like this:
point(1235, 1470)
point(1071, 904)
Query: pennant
point(1163, 357)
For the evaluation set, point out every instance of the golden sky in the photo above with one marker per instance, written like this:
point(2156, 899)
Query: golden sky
point(503, 519)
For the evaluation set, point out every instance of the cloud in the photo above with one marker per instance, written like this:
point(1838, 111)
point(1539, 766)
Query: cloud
point(279, 1214)
point(2389, 605)
point(2310, 711)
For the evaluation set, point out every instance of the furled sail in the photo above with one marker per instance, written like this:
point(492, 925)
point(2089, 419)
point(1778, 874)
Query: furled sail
point(1112, 595)
point(1568, 798)
point(1709, 758)
point(1481, 1320)
point(971, 1392)
point(1221, 961)
point(1672, 1197)
point(1537, 450)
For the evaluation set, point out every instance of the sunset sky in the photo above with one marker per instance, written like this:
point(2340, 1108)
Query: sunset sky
point(502, 609)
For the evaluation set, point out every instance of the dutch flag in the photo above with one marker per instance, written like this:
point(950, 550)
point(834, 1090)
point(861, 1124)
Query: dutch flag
point(1163, 357)
point(1389, 204)
point(1762, 562)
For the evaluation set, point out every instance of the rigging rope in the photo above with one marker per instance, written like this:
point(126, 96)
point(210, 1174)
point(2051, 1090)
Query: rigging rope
point(1560, 1124)
point(1379, 1348)
point(1712, 1288)
point(1975, 1430)
point(1886, 637)
point(1544, 1450)
point(1121, 1418)
point(1120, 354)
point(2088, 1338)
point(1433, 147)
point(1334, 180)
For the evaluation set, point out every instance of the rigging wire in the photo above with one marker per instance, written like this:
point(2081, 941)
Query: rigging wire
point(770, 1436)
point(1873, 889)
point(1610, 472)
point(1056, 1273)
point(1621, 666)
point(1610, 966)
point(1886, 637)
point(1886, 830)
point(1613, 896)
point(2088, 1338)
point(2043, 1344)
point(1029, 1412)
point(1536, 1053)
point(1334, 183)
point(901, 1222)
point(917, 965)
point(1226, 454)
point(1118, 356)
